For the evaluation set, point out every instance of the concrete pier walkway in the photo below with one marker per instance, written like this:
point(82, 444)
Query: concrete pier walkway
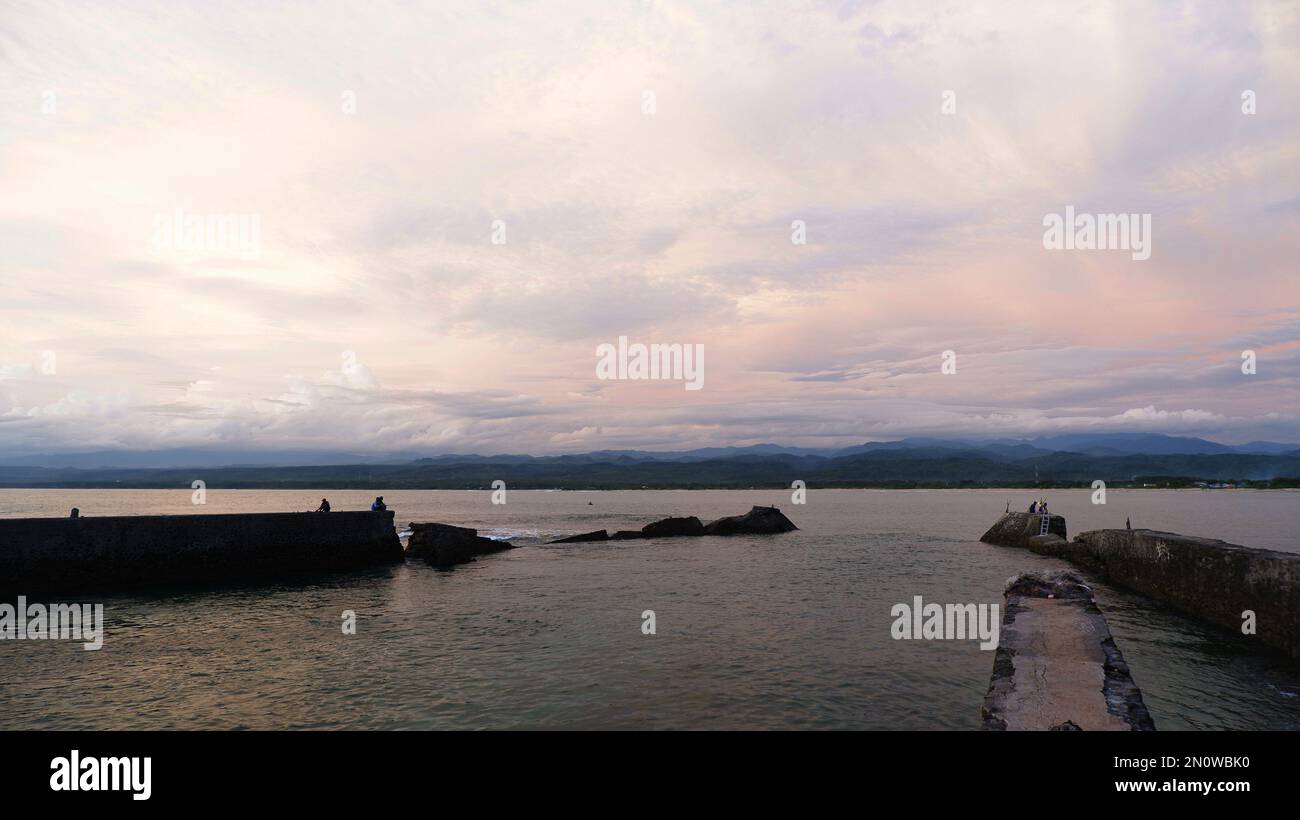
point(1056, 667)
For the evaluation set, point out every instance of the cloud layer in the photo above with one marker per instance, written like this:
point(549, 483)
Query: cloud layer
point(644, 163)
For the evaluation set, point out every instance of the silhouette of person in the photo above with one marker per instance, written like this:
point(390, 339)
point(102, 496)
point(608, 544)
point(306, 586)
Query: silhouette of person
point(379, 505)
point(324, 505)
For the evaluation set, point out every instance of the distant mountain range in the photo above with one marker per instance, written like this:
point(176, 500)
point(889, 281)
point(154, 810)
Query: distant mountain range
point(1004, 449)
point(1068, 459)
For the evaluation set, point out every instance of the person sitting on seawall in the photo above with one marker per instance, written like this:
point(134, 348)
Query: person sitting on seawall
point(324, 505)
point(1033, 506)
point(379, 505)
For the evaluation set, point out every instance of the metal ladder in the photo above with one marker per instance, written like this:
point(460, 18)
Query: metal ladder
point(1045, 525)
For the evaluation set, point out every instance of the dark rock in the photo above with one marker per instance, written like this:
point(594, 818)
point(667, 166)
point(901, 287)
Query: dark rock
point(673, 528)
point(1021, 529)
point(598, 535)
point(1062, 585)
point(444, 545)
point(758, 521)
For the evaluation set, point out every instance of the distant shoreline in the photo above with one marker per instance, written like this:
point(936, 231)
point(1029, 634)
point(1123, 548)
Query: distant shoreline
point(1280, 484)
point(883, 468)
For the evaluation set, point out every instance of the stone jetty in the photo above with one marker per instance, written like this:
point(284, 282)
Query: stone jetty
point(1056, 667)
point(1226, 584)
point(123, 552)
point(1213, 580)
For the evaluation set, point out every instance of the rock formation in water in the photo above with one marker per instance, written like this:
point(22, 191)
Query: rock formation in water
point(758, 521)
point(443, 545)
point(673, 528)
point(1022, 529)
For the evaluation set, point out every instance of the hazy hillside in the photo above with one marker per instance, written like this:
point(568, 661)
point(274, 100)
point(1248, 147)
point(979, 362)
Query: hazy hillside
point(931, 466)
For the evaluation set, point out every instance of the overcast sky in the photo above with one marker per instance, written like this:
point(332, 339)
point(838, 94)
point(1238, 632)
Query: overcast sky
point(647, 161)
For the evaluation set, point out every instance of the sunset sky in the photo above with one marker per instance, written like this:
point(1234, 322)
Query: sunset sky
point(647, 161)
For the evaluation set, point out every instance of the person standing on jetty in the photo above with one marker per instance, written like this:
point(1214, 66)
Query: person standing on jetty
point(379, 505)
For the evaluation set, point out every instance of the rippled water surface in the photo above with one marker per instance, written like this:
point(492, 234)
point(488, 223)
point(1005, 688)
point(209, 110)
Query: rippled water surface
point(787, 631)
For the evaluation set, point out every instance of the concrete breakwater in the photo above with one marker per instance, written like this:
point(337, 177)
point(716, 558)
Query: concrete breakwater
point(1216, 581)
point(1057, 668)
point(136, 551)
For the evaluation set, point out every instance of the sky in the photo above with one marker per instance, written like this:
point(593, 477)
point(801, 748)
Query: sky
point(456, 204)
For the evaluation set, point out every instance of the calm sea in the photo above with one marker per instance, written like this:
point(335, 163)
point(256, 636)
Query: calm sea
point(788, 631)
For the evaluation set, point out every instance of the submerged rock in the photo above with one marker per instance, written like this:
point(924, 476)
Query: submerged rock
point(758, 521)
point(626, 535)
point(1063, 586)
point(673, 528)
point(598, 535)
point(444, 545)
